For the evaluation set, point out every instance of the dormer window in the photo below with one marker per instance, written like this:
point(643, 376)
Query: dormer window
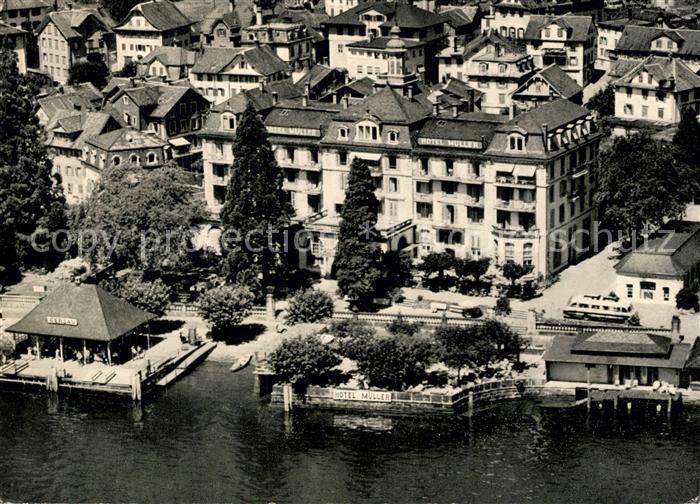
point(393, 137)
point(367, 131)
point(342, 133)
point(516, 142)
point(228, 122)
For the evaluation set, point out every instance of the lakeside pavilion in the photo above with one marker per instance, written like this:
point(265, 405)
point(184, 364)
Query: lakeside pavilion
point(78, 322)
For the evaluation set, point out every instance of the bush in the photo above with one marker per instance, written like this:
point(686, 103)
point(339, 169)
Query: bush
point(687, 299)
point(152, 296)
point(309, 306)
point(401, 327)
point(225, 307)
point(350, 328)
point(503, 306)
point(303, 361)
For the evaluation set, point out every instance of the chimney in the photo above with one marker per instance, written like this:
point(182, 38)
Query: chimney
point(455, 111)
point(307, 90)
point(470, 97)
point(232, 5)
point(275, 98)
point(436, 109)
point(511, 111)
point(258, 15)
point(545, 133)
point(676, 328)
point(375, 87)
point(334, 96)
point(454, 43)
point(410, 92)
point(346, 101)
point(262, 86)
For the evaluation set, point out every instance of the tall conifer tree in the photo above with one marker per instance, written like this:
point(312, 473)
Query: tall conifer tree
point(358, 259)
point(255, 204)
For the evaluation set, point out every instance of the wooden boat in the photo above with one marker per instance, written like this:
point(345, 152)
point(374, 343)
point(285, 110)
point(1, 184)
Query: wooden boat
point(241, 363)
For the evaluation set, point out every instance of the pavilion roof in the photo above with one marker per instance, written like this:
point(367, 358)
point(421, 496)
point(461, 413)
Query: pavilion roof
point(85, 312)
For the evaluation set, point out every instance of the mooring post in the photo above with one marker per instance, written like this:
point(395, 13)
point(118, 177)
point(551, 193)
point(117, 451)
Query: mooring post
point(287, 397)
point(668, 407)
point(470, 403)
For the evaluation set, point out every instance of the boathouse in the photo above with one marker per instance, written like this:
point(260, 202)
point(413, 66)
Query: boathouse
point(82, 321)
point(620, 358)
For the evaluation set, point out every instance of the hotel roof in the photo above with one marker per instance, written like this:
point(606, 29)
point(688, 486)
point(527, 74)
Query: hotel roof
point(85, 312)
point(577, 27)
point(126, 139)
point(261, 58)
point(163, 15)
point(389, 106)
point(637, 39)
point(403, 14)
point(669, 73)
point(558, 79)
point(170, 56)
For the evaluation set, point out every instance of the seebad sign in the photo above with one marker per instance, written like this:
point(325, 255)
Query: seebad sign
point(360, 395)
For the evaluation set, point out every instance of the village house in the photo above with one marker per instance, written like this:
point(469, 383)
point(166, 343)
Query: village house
point(489, 63)
point(609, 34)
point(568, 41)
point(69, 100)
point(658, 269)
point(510, 18)
point(638, 42)
point(221, 30)
point(360, 38)
point(148, 25)
point(24, 14)
point(219, 73)
point(123, 147)
point(654, 94)
point(172, 64)
point(173, 114)
point(550, 83)
point(16, 39)
point(463, 21)
point(71, 36)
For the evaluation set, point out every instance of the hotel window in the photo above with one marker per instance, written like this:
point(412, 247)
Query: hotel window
point(393, 136)
point(219, 146)
point(228, 122)
point(630, 290)
point(502, 68)
point(661, 113)
point(393, 185)
point(424, 210)
point(628, 109)
point(483, 67)
point(476, 246)
point(393, 208)
point(449, 167)
point(392, 162)
point(449, 187)
point(527, 254)
point(573, 60)
point(562, 213)
point(667, 294)
point(116, 161)
point(359, 69)
point(424, 166)
point(151, 159)
point(343, 133)
point(645, 111)
point(314, 155)
point(342, 158)
point(629, 92)
point(289, 153)
point(509, 252)
point(516, 142)
point(645, 94)
point(501, 99)
point(647, 290)
point(448, 214)
point(134, 159)
point(424, 187)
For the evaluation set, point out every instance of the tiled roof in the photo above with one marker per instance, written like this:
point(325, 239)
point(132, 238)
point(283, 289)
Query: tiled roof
point(460, 15)
point(6, 29)
point(638, 39)
point(560, 82)
point(300, 117)
point(577, 27)
point(554, 114)
point(261, 58)
point(405, 15)
point(100, 316)
point(671, 253)
point(126, 139)
point(389, 106)
point(381, 42)
point(69, 21)
point(474, 46)
point(620, 23)
point(163, 15)
point(170, 56)
point(663, 70)
point(6, 5)
point(561, 350)
point(446, 127)
point(622, 342)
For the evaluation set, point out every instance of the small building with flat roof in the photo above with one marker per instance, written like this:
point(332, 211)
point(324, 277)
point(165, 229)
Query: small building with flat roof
point(666, 263)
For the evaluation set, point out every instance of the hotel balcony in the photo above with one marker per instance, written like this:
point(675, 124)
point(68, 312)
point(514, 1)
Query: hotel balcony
point(453, 176)
point(516, 205)
point(302, 186)
point(511, 181)
point(475, 202)
point(219, 180)
point(514, 232)
point(310, 166)
point(427, 197)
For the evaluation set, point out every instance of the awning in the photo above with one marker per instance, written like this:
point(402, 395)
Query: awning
point(369, 156)
point(580, 174)
point(505, 169)
point(179, 142)
point(525, 171)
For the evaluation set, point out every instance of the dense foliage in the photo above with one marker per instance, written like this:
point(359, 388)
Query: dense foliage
point(95, 72)
point(434, 266)
point(358, 260)
point(642, 182)
point(257, 211)
point(310, 305)
point(402, 327)
point(152, 296)
point(303, 361)
point(31, 198)
point(503, 305)
point(349, 328)
point(687, 299)
point(118, 9)
point(141, 219)
point(603, 102)
point(225, 307)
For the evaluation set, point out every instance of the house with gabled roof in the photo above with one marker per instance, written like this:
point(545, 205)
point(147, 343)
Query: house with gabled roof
point(69, 36)
point(221, 29)
point(122, 147)
point(290, 41)
point(169, 63)
point(219, 73)
point(24, 14)
point(653, 94)
point(359, 38)
point(550, 83)
point(638, 42)
point(151, 24)
point(568, 41)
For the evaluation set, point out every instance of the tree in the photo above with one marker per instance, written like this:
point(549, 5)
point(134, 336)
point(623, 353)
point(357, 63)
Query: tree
point(456, 346)
point(152, 296)
point(303, 361)
point(508, 343)
point(503, 305)
point(603, 102)
point(402, 327)
point(118, 9)
point(437, 263)
point(641, 183)
point(225, 307)
point(351, 328)
point(128, 70)
point(32, 204)
point(310, 305)
point(95, 72)
point(395, 362)
point(358, 261)
point(397, 271)
point(257, 210)
point(141, 219)
point(687, 138)
point(514, 271)
point(687, 299)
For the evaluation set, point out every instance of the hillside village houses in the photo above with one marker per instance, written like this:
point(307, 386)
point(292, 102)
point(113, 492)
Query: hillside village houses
point(151, 24)
point(221, 29)
point(654, 94)
point(69, 36)
point(609, 35)
point(550, 83)
point(171, 64)
point(490, 63)
point(16, 39)
point(638, 42)
point(24, 14)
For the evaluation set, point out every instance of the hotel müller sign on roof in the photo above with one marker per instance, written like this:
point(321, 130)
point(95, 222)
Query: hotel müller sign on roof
point(62, 321)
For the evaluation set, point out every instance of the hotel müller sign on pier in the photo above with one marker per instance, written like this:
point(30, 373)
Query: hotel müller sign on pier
point(360, 395)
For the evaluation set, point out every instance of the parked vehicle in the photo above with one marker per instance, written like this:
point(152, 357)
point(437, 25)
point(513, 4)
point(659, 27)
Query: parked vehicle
point(467, 309)
point(603, 308)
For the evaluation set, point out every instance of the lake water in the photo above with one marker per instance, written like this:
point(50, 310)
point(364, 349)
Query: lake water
point(207, 438)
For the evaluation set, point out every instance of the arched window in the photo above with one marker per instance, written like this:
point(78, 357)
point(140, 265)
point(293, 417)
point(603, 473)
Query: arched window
point(134, 159)
point(152, 158)
point(393, 136)
point(367, 131)
point(516, 142)
point(342, 133)
point(228, 122)
point(116, 161)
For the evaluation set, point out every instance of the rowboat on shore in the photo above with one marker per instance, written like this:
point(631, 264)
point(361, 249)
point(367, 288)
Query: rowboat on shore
point(241, 363)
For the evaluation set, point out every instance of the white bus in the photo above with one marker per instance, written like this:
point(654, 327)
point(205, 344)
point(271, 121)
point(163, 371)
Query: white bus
point(598, 308)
